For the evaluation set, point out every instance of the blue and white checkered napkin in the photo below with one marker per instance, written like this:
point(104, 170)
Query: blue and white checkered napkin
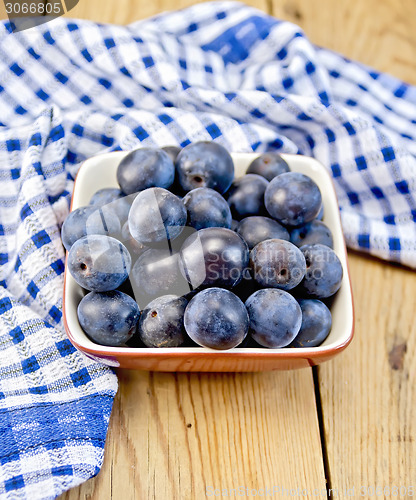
point(221, 71)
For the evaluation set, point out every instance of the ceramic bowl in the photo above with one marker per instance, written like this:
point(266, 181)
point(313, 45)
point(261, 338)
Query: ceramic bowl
point(100, 172)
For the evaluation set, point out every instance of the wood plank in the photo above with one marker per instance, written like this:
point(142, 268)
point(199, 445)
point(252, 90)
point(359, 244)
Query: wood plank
point(380, 33)
point(3, 14)
point(184, 435)
point(127, 11)
point(369, 392)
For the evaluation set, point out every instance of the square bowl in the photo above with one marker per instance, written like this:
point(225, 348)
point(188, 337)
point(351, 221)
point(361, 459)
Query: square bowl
point(100, 172)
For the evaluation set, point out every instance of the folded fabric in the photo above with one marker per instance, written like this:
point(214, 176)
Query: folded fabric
point(216, 71)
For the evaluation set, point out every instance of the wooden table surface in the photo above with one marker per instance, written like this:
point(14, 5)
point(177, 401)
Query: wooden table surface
point(350, 424)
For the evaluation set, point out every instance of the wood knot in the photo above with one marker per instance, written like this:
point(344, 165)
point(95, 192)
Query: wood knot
point(293, 11)
point(396, 356)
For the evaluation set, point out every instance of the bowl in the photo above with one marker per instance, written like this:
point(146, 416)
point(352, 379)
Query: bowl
point(100, 172)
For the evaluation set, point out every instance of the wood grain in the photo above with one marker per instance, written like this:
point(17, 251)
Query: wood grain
point(178, 436)
point(127, 11)
point(369, 393)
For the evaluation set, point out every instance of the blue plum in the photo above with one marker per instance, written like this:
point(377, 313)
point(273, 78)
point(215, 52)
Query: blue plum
point(316, 324)
point(145, 168)
point(99, 263)
point(172, 151)
point(293, 199)
point(104, 196)
point(246, 196)
point(256, 229)
point(134, 247)
point(113, 200)
point(311, 233)
point(277, 264)
point(214, 256)
point(156, 216)
point(275, 317)
point(108, 318)
point(216, 318)
point(155, 273)
point(121, 207)
point(161, 322)
point(205, 164)
point(268, 165)
point(89, 220)
point(324, 272)
point(207, 208)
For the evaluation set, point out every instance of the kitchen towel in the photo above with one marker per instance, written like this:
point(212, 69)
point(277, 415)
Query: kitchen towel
point(221, 71)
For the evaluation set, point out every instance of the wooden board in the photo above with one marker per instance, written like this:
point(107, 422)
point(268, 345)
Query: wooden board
point(127, 11)
point(369, 393)
point(180, 436)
